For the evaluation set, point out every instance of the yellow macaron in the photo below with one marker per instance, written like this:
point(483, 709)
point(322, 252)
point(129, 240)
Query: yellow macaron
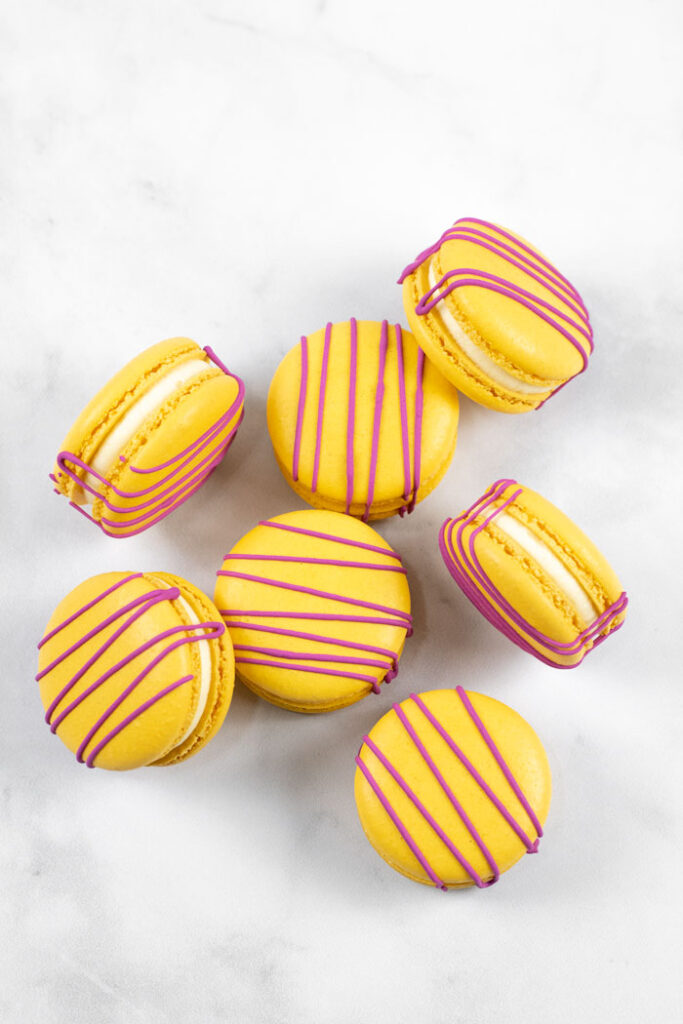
point(318, 608)
point(496, 317)
point(135, 669)
point(534, 574)
point(452, 788)
point(150, 437)
point(360, 421)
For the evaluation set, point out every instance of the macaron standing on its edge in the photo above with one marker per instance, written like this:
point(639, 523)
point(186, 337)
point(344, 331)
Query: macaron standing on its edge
point(318, 608)
point(496, 317)
point(135, 669)
point(452, 788)
point(533, 574)
point(360, 421)
point(150, 437)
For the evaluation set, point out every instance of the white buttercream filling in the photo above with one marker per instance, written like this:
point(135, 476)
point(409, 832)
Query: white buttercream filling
point(473, 352)
point(204, 671)
point(550, 564)
point(128, 426)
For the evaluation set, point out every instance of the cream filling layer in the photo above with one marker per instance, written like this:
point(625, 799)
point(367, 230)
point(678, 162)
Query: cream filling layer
point(130, 423)
point(473, 352)
point(204, 671)
point(550, 564)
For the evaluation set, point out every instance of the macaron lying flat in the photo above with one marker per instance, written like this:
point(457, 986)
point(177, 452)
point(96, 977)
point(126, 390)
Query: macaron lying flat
point(452, 788)
point(135, 669)
point(534, 575)
point(150, 437)
point(496, 317)
point(318, 608)
point(360, 422)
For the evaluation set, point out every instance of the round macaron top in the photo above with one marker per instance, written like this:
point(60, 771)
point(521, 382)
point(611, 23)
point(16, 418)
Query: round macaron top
point(507, 297)
point(135, 669)
point(452, 788)
point(534, 574)
point(318, 608)
point(150, 436)
point(360, 421)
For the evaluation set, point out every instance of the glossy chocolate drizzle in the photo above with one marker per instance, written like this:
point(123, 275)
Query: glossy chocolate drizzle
point(495, 240)
point(282, 658)
point(173, 489)
point(134, 610)
point(531, 845)
point(411, 473)
point(466, 569)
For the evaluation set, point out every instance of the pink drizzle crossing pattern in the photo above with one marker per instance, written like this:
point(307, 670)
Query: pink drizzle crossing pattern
point(156, 502)
point(462, 562)
point(571, 313)
point(134, 610)
point(365, 655)
point(411, 472)
point(531, 845)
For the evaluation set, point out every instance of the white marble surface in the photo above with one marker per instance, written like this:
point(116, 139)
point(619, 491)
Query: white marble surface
point(242, 172)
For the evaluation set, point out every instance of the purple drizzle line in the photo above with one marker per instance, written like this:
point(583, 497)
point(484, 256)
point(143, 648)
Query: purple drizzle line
point(466, 569)
point(296, 660)
point(411, 475)
point(523, 258)
point(530, 845)
point(174, 488)
point(351, 418)
point(138, 607)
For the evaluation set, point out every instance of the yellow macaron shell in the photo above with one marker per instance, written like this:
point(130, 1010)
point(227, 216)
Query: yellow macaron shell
point(521, 751)
point(115, 398)
point(294, 683)
point(517, 340)
point(183, 419)
point(439, 420)
point(522, 569)
point(158, 734)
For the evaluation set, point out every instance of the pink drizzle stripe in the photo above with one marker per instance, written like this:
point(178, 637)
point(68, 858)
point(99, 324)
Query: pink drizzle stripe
point(139, 606)
point(466, 569)
point(319, 561)
point(328, 536)
point(296, 660)
point(303, 385)
point(377, 418)
point(321, 407)
point(403, 405)
point(481, 883)
point(351, 418)
point(174, 488)
point(523, 258)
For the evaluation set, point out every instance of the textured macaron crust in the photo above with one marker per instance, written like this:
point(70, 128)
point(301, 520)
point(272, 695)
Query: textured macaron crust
point(135, 669)
point(452, 788)
point(533, 573)
point(496, 317)
point(318, 608)
point(150, 437)
point(360, 421)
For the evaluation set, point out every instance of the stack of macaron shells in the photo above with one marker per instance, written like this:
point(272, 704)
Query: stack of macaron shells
point(312, 608)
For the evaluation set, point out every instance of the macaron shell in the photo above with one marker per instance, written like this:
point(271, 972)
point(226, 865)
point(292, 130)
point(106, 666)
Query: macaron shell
point(438, 425)
point(156, 731)
point(515, 332)
point(190, 411)
point(293, 687)
point(222, 677)
point(454, 363)
point(522, 751)
point(113, 401)
point(571, 545)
